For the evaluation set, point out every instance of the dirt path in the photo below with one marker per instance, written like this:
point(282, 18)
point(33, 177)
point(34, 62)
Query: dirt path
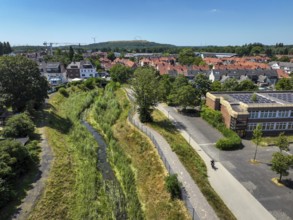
point(38, 186)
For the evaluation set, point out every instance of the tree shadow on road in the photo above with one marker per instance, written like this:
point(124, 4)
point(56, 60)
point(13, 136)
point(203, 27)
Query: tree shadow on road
point(288, 183)
point(190, 112)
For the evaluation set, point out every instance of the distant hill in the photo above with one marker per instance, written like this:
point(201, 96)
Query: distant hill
point(127, 45)
point(135, 44)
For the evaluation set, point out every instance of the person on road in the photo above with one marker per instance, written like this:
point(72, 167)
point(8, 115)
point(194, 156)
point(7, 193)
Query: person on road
point(213, 163)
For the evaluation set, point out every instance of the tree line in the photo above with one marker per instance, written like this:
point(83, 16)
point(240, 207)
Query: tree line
point(5, 48)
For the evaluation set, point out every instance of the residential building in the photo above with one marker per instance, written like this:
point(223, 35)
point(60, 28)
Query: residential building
point(73, 70)
point(87, 70)
point(54, 70)
point(242, 111)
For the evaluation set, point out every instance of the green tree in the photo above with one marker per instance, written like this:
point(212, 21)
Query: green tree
point(257, 137)
point(77, 57)
point(230, 84)
point(216, 86)
point(15, 160)
point(173, 186)
point(165, 87)
point(145, 86)
point(19, 125)
point(120, 73)
point(247, 85)
point(71, 54)
point(282, 142)
point(186, 57)
point(179, 82)
point(202, 84)
point(284, 84)
point(1, 49)
point(21, 84)
point(185, 96)
point(111, 56)
point(281, 164)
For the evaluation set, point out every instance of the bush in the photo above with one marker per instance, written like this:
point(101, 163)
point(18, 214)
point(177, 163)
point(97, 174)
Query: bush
point(15, 161)
point(231, 140)
point(63, 92)
point(19, 126)
point(90, 83)
point(173, 186)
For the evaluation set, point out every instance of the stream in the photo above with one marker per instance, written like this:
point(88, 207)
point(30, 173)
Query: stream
point(113, 188)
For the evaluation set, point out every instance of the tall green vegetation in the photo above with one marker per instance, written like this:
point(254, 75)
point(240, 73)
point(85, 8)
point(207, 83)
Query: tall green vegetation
point(19, 126)
point(5, 48)
point(231, 140)
point(75, 187)
point(282, 163)
point(15, 161)
point(120, 73)
point(31, 88)
point(187, 57)
point(107, 111)
point(173, 186)
point(145, 86)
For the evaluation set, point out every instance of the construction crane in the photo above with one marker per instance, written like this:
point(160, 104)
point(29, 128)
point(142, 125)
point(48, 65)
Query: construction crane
point(50, 45)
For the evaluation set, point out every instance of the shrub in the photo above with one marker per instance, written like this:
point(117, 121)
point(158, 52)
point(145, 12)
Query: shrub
point(19, 126)
point(173, 186)
point(231, 140)
point(89, 83)
point(63, 92)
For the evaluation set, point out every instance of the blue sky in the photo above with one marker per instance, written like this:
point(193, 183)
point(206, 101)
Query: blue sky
point(185, 22)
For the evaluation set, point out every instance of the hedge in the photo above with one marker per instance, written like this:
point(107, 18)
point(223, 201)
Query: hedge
point(231, 140)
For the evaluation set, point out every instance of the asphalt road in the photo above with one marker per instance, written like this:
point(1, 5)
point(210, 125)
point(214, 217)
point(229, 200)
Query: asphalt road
point(255, 178)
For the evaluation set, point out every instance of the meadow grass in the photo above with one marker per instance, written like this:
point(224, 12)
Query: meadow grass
point(74, 189)
point(143, 160)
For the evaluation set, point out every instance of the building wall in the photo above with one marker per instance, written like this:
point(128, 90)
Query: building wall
point(73, 73)
point(226, 116)
point(210, 103)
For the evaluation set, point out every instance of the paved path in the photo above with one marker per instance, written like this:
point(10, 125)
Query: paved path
point(28, 203)
point(197, 200)
point(236, 197)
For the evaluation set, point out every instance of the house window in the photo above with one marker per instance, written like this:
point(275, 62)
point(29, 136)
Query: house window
point(82, 74)
point(253, 114)
point(290, 126)
point(251, 126)
point(281, 125)
point(283, 114)
point(268, 126)
point(272, 114)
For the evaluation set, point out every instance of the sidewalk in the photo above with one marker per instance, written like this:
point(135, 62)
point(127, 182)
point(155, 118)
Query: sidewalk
point(197, 200)
point(242, 204)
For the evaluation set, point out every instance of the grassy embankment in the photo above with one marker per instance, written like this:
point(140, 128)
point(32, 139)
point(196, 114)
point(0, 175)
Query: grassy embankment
point(192, 162)
point(74, 188)
point(135, 160)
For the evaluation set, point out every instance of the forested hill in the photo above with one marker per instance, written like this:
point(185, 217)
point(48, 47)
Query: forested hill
point(135, 44)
